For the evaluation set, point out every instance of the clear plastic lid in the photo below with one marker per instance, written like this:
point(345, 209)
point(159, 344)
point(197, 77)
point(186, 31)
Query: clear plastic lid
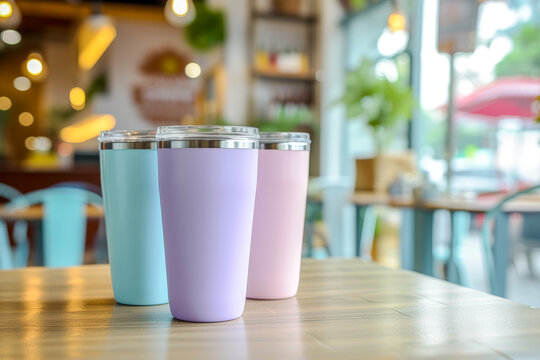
point(123, 136)
point(207, 132)
point(280, 137)
point(291, 141)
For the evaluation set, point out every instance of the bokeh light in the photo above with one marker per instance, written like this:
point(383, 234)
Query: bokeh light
point(65, 149)
point(42, 143)
point(38, 143)
point(77, 98)
point(34, 66)
point(10, 37)
point(22, 83)
point(6, 10)
point(193, 70)
point(5, 103)
point(88, 128)
point(29, 143)
point(26, 119)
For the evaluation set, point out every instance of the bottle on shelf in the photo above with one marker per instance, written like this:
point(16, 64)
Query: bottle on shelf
point(304, 62)
point(262, 59)
point(291, 61)
point(291, 108)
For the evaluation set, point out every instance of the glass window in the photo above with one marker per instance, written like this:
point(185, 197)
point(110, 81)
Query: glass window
point(495, 87)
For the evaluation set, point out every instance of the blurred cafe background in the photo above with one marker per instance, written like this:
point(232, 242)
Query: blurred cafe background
point(425, 153)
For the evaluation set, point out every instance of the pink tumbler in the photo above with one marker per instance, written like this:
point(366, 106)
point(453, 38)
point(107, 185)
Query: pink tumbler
point(207, 181)
point(278, 223)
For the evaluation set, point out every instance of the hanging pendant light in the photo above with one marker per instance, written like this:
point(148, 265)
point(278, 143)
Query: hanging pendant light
point(396, 20)
point(95, 35)
point(10, 15)
point(179, 13)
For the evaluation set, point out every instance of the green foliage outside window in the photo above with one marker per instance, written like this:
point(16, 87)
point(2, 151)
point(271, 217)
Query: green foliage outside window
point(524, 59)
point(380, 103)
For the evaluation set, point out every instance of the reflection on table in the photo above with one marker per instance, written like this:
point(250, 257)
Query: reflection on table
point(345, 309)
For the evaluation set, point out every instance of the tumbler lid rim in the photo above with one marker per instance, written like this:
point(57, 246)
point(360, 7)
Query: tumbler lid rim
point(207, 132)
point(284, 137)
point(127, 136)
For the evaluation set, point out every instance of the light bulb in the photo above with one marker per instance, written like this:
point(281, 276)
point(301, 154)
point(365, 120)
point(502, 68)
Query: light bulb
point(397, 22)
point(10, 15)
point(179, 12)
point(180, 7)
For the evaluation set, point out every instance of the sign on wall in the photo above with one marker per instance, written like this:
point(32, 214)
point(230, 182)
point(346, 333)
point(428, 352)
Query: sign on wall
point(166, 96)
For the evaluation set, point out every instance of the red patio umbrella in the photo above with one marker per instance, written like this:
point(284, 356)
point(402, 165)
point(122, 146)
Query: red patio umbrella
point(505, 97)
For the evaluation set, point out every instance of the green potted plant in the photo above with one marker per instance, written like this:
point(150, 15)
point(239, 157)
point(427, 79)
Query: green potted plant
point(208, 28)
point(382, 105)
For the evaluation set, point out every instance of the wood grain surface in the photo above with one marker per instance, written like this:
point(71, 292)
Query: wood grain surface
point(482, 204)
point(345, 309)
point(522, 204)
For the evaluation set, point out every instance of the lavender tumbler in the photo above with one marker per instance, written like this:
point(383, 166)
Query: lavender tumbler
point(207, 182)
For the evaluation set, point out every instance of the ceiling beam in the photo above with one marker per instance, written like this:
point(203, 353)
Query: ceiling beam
point(65, 10)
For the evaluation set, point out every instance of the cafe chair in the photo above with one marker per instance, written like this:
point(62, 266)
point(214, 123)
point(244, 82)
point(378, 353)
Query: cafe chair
point(314, 209)
point(18, 257)
point(528, 239)
point(100, 254)
point(64, 222)
point(497, 271)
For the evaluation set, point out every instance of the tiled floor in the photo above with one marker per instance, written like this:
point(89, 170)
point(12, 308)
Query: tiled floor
point(521, 286)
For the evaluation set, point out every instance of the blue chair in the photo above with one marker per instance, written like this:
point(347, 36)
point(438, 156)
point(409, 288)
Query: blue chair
point(79, 185)
point(314, 209)
point(19, 256)
point(495, 270)
point(100, 240)
point(64, 222)
point(529, 239)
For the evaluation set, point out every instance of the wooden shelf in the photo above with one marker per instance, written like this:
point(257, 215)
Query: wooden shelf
point(284, 76)
point(284, 17)
point(304, 26)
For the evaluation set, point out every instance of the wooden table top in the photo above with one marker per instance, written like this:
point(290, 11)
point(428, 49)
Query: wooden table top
point(523, 204)
point(35, 212)
point(482, 204)
point(370, 198)
point(345, 309)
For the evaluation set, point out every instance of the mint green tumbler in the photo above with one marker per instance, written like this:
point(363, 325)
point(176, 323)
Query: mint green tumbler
point(129, 182)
